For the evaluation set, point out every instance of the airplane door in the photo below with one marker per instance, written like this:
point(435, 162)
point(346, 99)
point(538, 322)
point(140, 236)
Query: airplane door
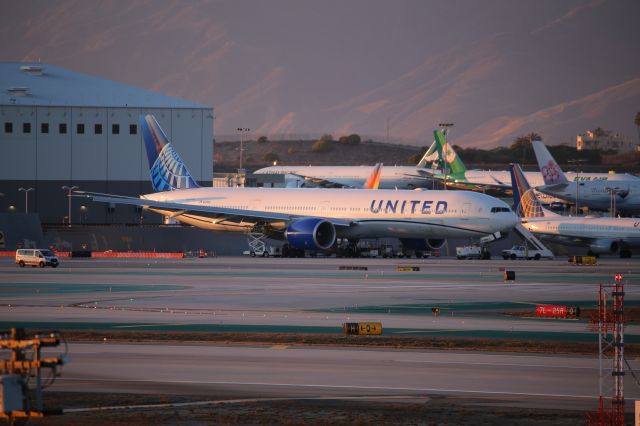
point(466, 208)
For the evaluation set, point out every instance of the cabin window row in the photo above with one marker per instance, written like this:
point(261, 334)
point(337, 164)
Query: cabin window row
point(81, 128)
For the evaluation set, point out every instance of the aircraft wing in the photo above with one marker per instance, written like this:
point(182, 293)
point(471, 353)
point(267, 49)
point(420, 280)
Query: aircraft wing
point(321, 182)
point(172, 209)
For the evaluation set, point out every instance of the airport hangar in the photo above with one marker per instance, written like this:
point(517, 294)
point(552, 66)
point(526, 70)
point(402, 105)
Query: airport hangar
point(63, 128)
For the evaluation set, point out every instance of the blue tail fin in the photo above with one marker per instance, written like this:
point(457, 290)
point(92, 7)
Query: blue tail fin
point(525, 202)
point(167, 169)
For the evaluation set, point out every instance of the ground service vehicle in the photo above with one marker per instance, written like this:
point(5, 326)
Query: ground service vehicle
point(472, 252)
point(36, 257)
point(522, 252)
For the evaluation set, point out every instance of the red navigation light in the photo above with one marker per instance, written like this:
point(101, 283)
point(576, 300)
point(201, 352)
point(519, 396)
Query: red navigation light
point(618, 277)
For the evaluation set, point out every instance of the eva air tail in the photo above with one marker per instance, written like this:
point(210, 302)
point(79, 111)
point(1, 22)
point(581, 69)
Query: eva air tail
point(167, 169)
point(449, 156)
point(525, 202)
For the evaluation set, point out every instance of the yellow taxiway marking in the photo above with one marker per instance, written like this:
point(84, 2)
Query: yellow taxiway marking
point(280, 347)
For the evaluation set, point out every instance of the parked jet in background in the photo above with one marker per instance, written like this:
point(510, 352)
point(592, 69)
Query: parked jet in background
point(460, 177)
point(312, 218)
point(619, 195)
point(394, 177)
point(602, 235)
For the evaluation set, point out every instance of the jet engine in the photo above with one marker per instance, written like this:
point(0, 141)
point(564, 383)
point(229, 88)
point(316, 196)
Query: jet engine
point(604, 247)
point(311, 233)
point(436, 244)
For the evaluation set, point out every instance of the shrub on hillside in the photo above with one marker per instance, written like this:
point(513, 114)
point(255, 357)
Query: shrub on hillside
point(352, 139)
point(263, 139)
point(270, 157)
point(321, 146)
point(326, 137)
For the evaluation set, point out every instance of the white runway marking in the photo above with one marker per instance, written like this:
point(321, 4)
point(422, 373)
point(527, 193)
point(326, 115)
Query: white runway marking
point(349, 387)
point(493, 364)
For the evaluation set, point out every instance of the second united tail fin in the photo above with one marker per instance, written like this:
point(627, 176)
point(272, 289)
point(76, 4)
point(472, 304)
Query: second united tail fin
point(525, 202)
point(167, 169)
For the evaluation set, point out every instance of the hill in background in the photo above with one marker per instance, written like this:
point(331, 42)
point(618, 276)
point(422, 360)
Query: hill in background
point(257, 155)
point(368, 153)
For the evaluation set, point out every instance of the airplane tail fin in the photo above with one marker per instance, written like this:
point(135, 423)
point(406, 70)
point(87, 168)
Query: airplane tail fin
point(448, 155)
point(373, 181)
point(525, 202)
point(429, 157)
point(551, 171)
point(167, 169)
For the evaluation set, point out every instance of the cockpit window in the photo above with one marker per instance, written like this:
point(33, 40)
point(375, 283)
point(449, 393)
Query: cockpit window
point(500, 209)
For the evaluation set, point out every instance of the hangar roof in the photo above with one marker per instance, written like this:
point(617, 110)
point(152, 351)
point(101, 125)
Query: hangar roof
point(27, 83)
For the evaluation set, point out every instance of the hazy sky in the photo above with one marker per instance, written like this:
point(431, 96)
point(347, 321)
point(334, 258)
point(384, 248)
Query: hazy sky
point(497, 69)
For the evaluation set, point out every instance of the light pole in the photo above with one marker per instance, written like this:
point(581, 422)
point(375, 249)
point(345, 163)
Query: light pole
point(83, 214)
point(69, 188)
point(577, 180)
point(242, 131)
point(445, 149)
point(26, 197)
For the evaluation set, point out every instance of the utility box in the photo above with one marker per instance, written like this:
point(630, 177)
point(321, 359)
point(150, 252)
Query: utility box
point(11, 394)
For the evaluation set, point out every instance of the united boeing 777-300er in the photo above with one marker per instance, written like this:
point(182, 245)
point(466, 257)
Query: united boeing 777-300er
point(602, 235)
point(312, 218)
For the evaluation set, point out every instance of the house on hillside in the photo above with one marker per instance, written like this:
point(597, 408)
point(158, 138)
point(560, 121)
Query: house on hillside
point(605, 140)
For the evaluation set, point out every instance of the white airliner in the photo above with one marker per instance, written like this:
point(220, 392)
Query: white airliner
point(620, 195)
point(312, 218)
point(602, 235)
point(395, 177)
point(460, 177)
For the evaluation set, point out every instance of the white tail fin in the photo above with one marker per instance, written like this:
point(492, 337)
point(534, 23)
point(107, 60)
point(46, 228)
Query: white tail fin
point(551, 171)
point(429, 157)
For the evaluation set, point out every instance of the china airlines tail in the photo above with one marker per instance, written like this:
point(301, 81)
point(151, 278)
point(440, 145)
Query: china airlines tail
point(167, 169)
point(551, 171)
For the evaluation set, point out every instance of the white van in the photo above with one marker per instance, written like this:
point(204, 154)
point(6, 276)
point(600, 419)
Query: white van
point(36, 257)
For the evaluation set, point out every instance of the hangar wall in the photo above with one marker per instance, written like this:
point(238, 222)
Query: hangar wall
point(70, 129)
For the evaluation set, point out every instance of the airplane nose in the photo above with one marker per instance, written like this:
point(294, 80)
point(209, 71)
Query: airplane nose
point(510, 222)
point(513, 220)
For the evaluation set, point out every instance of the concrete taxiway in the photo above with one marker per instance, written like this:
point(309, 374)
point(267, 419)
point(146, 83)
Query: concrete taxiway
point(313, 295)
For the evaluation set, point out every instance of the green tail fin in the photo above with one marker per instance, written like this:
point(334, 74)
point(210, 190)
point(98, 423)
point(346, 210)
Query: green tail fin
point(449, 156)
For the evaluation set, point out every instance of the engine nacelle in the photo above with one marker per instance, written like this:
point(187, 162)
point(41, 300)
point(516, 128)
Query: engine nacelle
point(311, 233)
point(436, 244)
point(604, 247)
point(421, 244)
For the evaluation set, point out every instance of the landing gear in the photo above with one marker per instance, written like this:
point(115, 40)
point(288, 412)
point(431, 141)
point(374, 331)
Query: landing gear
point(625, 253)
point(288, 251)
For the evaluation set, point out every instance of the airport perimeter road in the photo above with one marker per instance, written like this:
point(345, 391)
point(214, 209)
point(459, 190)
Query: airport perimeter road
point(240, 371)
point(313, 294)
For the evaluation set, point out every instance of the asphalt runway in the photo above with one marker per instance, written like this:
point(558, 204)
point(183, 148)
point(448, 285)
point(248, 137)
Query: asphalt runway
point(312, 295)
point(565, 382)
